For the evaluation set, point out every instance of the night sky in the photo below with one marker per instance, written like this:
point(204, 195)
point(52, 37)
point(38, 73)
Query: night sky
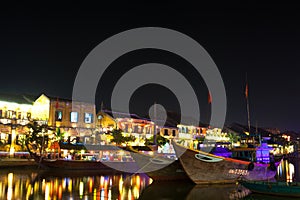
point(42, 49)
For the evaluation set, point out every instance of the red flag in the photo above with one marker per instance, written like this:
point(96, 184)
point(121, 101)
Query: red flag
point(56, 105)
point(209, 97)
point(246, 90)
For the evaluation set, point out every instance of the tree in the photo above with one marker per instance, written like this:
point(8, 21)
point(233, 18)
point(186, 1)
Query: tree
point(118, 137)
point(59, 135)
point(160, 140)
point(35, 138)
point(233, 138)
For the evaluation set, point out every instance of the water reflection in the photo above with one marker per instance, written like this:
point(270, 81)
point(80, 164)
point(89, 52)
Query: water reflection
point(167, 190)
point(32, 185)
point(56, 185)
point(286, 171)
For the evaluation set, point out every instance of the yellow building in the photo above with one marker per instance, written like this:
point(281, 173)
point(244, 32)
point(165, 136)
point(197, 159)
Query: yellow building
point(15, 114)
point(75, 119)
point(139, 128)
point(105, 122)
point(169, 132)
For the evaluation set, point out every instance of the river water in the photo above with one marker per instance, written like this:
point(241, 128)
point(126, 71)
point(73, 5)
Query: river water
point(36, 184)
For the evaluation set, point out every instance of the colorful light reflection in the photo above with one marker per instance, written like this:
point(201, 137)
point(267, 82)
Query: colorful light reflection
point(31, 186)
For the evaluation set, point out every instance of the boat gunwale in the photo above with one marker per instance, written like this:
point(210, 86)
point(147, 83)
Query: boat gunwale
point(212, 155)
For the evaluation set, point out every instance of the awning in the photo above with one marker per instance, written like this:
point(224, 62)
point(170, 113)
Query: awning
point(69, 146)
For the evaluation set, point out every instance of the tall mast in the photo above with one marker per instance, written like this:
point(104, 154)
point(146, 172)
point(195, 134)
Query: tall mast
point(247, 100)
point(154, 133)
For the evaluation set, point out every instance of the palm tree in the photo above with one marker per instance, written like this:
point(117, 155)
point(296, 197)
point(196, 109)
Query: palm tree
point(233, 138)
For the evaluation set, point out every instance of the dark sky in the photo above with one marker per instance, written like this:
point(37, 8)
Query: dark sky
point(42, 49)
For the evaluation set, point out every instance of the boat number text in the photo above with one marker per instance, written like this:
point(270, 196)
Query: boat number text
point(243, 172)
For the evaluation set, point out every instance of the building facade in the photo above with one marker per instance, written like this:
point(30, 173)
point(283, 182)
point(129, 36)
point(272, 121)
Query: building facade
point(76, 120)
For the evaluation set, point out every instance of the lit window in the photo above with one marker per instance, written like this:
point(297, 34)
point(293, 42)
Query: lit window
point(74, 117)
point(58, 115)
point(28, 115)
point(88, 118)
point(166, 132)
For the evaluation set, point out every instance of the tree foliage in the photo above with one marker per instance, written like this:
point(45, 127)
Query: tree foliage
point(35, 139)
point(160, 140)
point(119, 138)
point(233, 138)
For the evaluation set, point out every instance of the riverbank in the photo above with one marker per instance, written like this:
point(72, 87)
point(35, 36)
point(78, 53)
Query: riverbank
point(16, 162)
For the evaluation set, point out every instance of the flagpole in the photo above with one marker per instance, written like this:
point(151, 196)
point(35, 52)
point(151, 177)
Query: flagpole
point(248, 111)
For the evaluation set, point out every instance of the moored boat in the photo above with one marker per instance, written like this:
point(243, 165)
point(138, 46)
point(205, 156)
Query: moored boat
point(86, 165)
point(286, 189)
point(206, 168)
point(159, 167)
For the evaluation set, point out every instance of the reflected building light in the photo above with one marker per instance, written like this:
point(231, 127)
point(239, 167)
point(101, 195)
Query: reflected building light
point(120, 185)
point(56, 185)
point(136, 192)
point(90, 185)
point(64, 182)
point(101, 181)
point(29, 188)
point(10, 178)
point(279, 169)
point(70, 185)
point(109, 194)
point(291, 172)
point(36, 187)
point(2, 190)
point(102, 195)
point(81, 189)
point(43, 185)
point(51, 188)
point(129, 195)
point(95, 194)
point(47, 192)
point(60, 191)
point(105, 184)
point(17, 192)
point(138, 181)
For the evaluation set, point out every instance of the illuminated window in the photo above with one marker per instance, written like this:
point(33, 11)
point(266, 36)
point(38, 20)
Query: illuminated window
point(166, 132)
point(28, 115)
point(19, 115)
point(88, 118)
point(74, 116)
point(58, 115)
point(173, 133)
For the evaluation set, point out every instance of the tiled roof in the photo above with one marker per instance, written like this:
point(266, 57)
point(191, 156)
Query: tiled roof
point(18, 98)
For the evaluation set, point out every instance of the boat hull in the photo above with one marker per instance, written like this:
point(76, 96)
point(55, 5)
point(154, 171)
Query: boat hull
point(273, 188)
point(86, 165)
point(159, 169)
point(219, 169)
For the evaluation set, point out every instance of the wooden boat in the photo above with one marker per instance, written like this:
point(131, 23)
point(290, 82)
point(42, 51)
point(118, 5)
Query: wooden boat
point(205, 168)
point(86, 165)
point(159, 167)
point(273, 188)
